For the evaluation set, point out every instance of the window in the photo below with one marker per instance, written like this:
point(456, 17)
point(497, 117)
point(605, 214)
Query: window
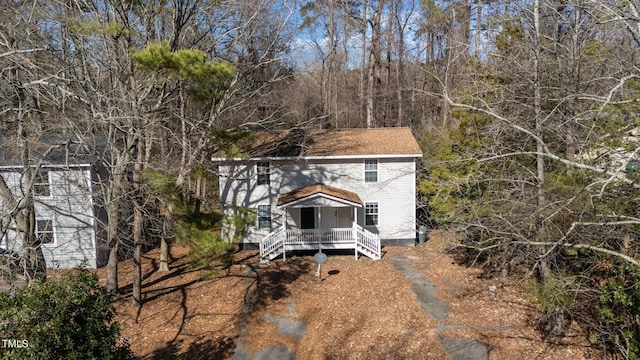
point(41, 185)
point(264, 217)
point(44, 231)
point(371, 213)
point(264, 173)
point(371, 171)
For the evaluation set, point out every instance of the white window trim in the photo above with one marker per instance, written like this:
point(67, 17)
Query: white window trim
point(53, 230)
point(270, 217)
point(268, 182)
point(365, 213)
point(365, 171)
point(49, 184)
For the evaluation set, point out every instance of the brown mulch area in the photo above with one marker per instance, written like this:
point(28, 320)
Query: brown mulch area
point(361, 309)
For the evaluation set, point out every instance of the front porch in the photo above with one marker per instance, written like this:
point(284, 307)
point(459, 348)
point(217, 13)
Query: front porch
point(278, 242)
point(319, 217)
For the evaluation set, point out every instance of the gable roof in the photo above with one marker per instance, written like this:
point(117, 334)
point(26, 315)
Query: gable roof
point(335, 143)
point(319, 190)
point(53, 150)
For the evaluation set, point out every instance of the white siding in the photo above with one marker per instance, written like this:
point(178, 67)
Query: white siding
point(394, 191)
point(70, 207)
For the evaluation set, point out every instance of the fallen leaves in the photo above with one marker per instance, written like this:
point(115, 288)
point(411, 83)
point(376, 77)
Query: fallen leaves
point(361, 309)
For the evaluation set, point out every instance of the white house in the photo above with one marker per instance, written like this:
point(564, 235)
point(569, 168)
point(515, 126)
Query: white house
point(620, 159)
point(339, 189)
point(64, 201)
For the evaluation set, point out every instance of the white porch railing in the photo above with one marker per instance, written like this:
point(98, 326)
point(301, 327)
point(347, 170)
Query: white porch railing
point(368, 241)
point(319, 236)
point(272, 244)
point(279, 241)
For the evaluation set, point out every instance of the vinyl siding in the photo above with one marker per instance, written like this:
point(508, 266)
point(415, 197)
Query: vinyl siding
point(394, 191)
point(70, 207)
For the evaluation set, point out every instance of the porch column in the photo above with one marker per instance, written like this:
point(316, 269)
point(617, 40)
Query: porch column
point(355, 230)
point(284, 234)
point(317, 234)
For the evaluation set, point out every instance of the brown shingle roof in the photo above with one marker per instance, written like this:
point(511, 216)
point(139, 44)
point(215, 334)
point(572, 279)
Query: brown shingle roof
point(308, 191)
point(336, 142)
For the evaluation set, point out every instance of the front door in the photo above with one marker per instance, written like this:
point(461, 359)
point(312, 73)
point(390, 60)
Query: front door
point(336, 217)
point(344, 217)
point(329, 217)
point(307, 218)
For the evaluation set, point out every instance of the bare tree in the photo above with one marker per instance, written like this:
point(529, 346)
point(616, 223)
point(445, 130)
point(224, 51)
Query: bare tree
point(31, 85)
point(545, 138)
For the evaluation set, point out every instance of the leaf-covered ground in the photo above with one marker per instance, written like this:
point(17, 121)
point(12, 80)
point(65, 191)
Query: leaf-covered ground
point(361, 309)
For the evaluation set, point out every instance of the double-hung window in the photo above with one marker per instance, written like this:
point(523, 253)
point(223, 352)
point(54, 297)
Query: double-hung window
point(371, 170)
point(371, 213)
point(264, 217)
point(41, 184)
point(45, 231)
point(264, 172)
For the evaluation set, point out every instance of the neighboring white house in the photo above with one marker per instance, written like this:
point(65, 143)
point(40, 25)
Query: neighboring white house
point(340, 188)
point(624, 158)
point(64, 201)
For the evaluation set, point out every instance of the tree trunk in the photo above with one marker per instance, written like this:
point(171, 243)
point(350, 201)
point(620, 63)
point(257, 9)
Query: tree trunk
point(34, 265)
point(374, 66)
point(329, 69)
point(140, 146)
point(164, 244)
point(540, 173)
point(112, 268)
point(576, 80)
point(400, 66)
point(363, 65)
point(137, 255)
point(478, 28)
point(113, 220)
point(387, 106)
point(137, 230)
point(164, 258)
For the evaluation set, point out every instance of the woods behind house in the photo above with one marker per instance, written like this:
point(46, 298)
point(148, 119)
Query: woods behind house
point(527, 114)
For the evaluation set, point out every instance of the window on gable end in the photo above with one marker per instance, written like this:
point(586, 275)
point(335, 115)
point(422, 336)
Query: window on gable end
point(264, 172)
point(45, 231)
point(41, 184)
point(371, 170)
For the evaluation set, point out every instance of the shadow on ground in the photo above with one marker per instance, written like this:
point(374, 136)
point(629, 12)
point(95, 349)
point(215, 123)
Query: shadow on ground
point(271, 282)
point(176, 287)
point(274, 279)
point(203, 348)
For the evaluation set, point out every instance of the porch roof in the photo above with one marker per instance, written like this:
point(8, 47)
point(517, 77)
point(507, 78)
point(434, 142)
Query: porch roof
point(319, 190)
